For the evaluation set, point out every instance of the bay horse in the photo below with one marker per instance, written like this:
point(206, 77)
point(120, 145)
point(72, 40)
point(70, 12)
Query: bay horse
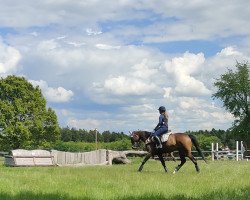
point(180, 142)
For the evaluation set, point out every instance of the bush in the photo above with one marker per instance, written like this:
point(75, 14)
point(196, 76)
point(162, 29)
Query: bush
point(206, 140)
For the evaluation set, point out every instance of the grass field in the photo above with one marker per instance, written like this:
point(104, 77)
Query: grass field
point(217, 180)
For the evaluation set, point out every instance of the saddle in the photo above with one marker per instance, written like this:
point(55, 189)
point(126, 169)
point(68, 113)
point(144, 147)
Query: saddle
point(164, 137)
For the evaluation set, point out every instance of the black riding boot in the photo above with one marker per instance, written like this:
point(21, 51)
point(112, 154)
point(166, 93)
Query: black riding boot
point(158, 142)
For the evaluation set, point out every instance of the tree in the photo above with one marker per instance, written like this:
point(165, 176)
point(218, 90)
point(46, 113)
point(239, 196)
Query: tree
point(65, 134)
point(234, 90)
point(24, 120)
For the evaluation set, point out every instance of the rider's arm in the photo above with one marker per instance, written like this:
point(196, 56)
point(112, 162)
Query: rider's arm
point(159, 124)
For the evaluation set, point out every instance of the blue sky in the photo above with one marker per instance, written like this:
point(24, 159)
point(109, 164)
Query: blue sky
point(110, 65)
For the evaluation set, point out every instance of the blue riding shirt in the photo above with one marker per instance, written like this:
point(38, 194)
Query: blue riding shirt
point(162, 126)
point(163, 121)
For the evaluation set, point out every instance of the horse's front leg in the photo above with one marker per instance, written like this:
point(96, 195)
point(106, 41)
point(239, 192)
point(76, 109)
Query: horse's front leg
point(144, 161)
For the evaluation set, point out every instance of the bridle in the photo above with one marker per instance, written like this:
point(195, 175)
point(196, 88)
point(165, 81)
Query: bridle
point(135, 138)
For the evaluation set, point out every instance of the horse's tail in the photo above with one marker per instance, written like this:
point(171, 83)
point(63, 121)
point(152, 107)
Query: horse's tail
point(197, 146)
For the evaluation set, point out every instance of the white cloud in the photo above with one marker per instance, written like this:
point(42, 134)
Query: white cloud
point(188, 64)
point(54, 94)
point(75, 44)
point(44, 13)
point(167, 93)
point(106, 47)
point(189, 86)
point(192, 103)
point(218, 64)
point(128, 86)
point(222, 117)
point(34, 33)
point(65, 112)
point(9, 58)
point(47, 45)
point(143, 70)
point(169, 22)
point(200, 20)
point(89, 124)
point(90, 31)
point(182, 68)
point(229, 51)
point(199, 115)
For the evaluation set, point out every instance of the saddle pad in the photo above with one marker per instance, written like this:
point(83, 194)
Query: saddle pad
point(165, 136)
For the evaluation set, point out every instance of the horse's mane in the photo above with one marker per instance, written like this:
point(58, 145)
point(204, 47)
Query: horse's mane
point(146, 133)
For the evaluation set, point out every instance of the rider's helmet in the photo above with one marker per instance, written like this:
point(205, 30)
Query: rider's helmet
point(162, 109)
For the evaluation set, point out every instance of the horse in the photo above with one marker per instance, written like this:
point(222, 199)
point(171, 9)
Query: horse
point(180, 142)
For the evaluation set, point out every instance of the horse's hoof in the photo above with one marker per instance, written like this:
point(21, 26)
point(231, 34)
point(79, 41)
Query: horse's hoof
point(166, 170)
point(197, 168)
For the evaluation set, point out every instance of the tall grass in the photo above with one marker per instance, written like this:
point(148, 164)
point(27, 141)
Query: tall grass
point(217, 180)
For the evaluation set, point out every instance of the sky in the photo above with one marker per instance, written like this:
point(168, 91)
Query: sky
point(110, 64)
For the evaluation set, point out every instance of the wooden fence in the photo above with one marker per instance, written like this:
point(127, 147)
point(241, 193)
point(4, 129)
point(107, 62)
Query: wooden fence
point(21, 157)
point(98, 157)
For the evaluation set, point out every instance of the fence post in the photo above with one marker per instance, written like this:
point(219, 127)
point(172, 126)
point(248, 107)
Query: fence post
point(212, 151)
point(237, 150)
point(242, 149)
point(217, 151)
point(96, 145)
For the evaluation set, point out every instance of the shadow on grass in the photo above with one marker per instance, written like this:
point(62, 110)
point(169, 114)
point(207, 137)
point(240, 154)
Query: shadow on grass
point(243, 193)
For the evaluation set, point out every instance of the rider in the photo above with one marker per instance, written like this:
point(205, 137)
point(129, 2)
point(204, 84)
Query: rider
point(162, 126)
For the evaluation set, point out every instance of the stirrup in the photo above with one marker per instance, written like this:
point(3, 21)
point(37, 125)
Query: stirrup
point(158, 146)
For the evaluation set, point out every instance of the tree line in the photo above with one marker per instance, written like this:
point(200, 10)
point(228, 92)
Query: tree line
point(72, 135)
point(80, 135)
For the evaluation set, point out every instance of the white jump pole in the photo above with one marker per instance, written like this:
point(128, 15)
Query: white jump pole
point(237, 150)
point(212, 151)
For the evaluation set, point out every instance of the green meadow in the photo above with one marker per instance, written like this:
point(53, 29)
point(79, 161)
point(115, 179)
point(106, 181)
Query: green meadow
point(217, 180)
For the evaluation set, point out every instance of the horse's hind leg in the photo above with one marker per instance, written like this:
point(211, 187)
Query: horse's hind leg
point(163, 162)
point(172, 156)
point(144, 161)
point(192, 158)
point(183, 160)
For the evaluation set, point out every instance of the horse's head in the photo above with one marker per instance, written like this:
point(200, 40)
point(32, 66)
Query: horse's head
point(137, 136)
point(135, 139)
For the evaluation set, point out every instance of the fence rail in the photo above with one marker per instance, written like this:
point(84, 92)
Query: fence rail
point(208, 154)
